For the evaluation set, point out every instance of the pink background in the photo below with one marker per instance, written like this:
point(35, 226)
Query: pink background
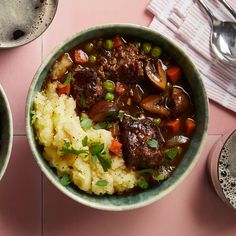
point(30, 205)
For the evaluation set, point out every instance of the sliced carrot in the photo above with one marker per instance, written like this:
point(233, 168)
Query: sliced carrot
point(174, 125)
point(61, 89)
point(117, 41)
point(190, 125)
point(174, 74)
point(129, 101)
point(80, 56)
point(115, 147)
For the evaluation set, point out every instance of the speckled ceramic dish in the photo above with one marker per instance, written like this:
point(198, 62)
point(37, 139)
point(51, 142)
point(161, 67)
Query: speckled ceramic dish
point(6, 132)
point(23, 21)
point(199, 98)
point(222, 167)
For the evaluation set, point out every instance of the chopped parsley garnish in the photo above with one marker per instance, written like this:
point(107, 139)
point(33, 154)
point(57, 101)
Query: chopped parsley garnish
point(68, 79)
point(98, 153)
point(96, 148)
point(105, 161)
point(111, 112)
point(68, 149)
point(85, 141)
point(100, 125)
point(103, 125)
point(65, 180)
point(158, 178)
point(94, 159)
point(171, 153)
point(82, 102)
point(153, 173)
point(109, 125)
point(132, 117)
point(152, 143)
point(33, 116)
point(121, 115)
point(143, 184)
point(147, 171)
point(86, 123)
point(102, 183)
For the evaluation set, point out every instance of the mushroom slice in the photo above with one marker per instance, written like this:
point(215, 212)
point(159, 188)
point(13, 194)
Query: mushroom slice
point(158, 80)
point(100, 111)
point(153, 104)
point(137, 93)
point(181, 100)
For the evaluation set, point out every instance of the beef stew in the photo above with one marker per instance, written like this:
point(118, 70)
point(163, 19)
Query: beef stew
point(133, 89)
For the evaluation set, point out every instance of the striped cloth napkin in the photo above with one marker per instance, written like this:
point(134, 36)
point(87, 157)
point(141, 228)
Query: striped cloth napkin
point(186, 23)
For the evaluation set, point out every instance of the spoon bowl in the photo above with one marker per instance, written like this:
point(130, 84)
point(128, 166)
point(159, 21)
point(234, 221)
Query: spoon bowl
point(223, 37)
point(223, 41)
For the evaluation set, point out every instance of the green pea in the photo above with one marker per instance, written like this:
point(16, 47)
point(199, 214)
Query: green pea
point(89, 47)
point(108, 44)
point(109, 96)
point(156, 52)
point(109, 85)
point(147, 47)
point(92, 59)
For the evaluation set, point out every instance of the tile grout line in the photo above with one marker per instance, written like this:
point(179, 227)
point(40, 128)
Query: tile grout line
point(42, 193)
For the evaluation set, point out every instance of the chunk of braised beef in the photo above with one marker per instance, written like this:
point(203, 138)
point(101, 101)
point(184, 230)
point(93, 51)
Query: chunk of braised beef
point(86, 87)
point(124, 63)
point(135, 135)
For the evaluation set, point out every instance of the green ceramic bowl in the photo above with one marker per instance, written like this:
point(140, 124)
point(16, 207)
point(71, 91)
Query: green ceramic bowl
point(6, 132)
point(199, 98)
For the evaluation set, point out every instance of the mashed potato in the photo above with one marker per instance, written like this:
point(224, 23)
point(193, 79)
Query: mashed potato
point(57, 124)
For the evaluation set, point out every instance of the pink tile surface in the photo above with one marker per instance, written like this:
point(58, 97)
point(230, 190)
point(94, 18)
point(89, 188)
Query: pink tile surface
point(78, 15)
point(17, 68)
point(220, 119)
point(20, 193)
point(28, 209)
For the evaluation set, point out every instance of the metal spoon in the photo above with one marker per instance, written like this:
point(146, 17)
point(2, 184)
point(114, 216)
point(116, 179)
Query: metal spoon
point(223, 37)
point(230, 9)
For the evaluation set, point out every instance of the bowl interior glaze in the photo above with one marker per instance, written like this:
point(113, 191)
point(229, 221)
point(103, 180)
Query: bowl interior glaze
point(198, 96)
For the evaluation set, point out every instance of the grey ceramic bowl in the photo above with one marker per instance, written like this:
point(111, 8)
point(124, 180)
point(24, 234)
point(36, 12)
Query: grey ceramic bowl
point(6, 132)
point(199, 98)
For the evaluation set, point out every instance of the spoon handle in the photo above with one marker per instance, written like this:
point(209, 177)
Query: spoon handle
point(207, 9)
point(230, 8)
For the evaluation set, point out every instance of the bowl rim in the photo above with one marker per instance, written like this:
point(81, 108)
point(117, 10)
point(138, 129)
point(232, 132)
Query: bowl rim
point(10, 142)
point(39, 158)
